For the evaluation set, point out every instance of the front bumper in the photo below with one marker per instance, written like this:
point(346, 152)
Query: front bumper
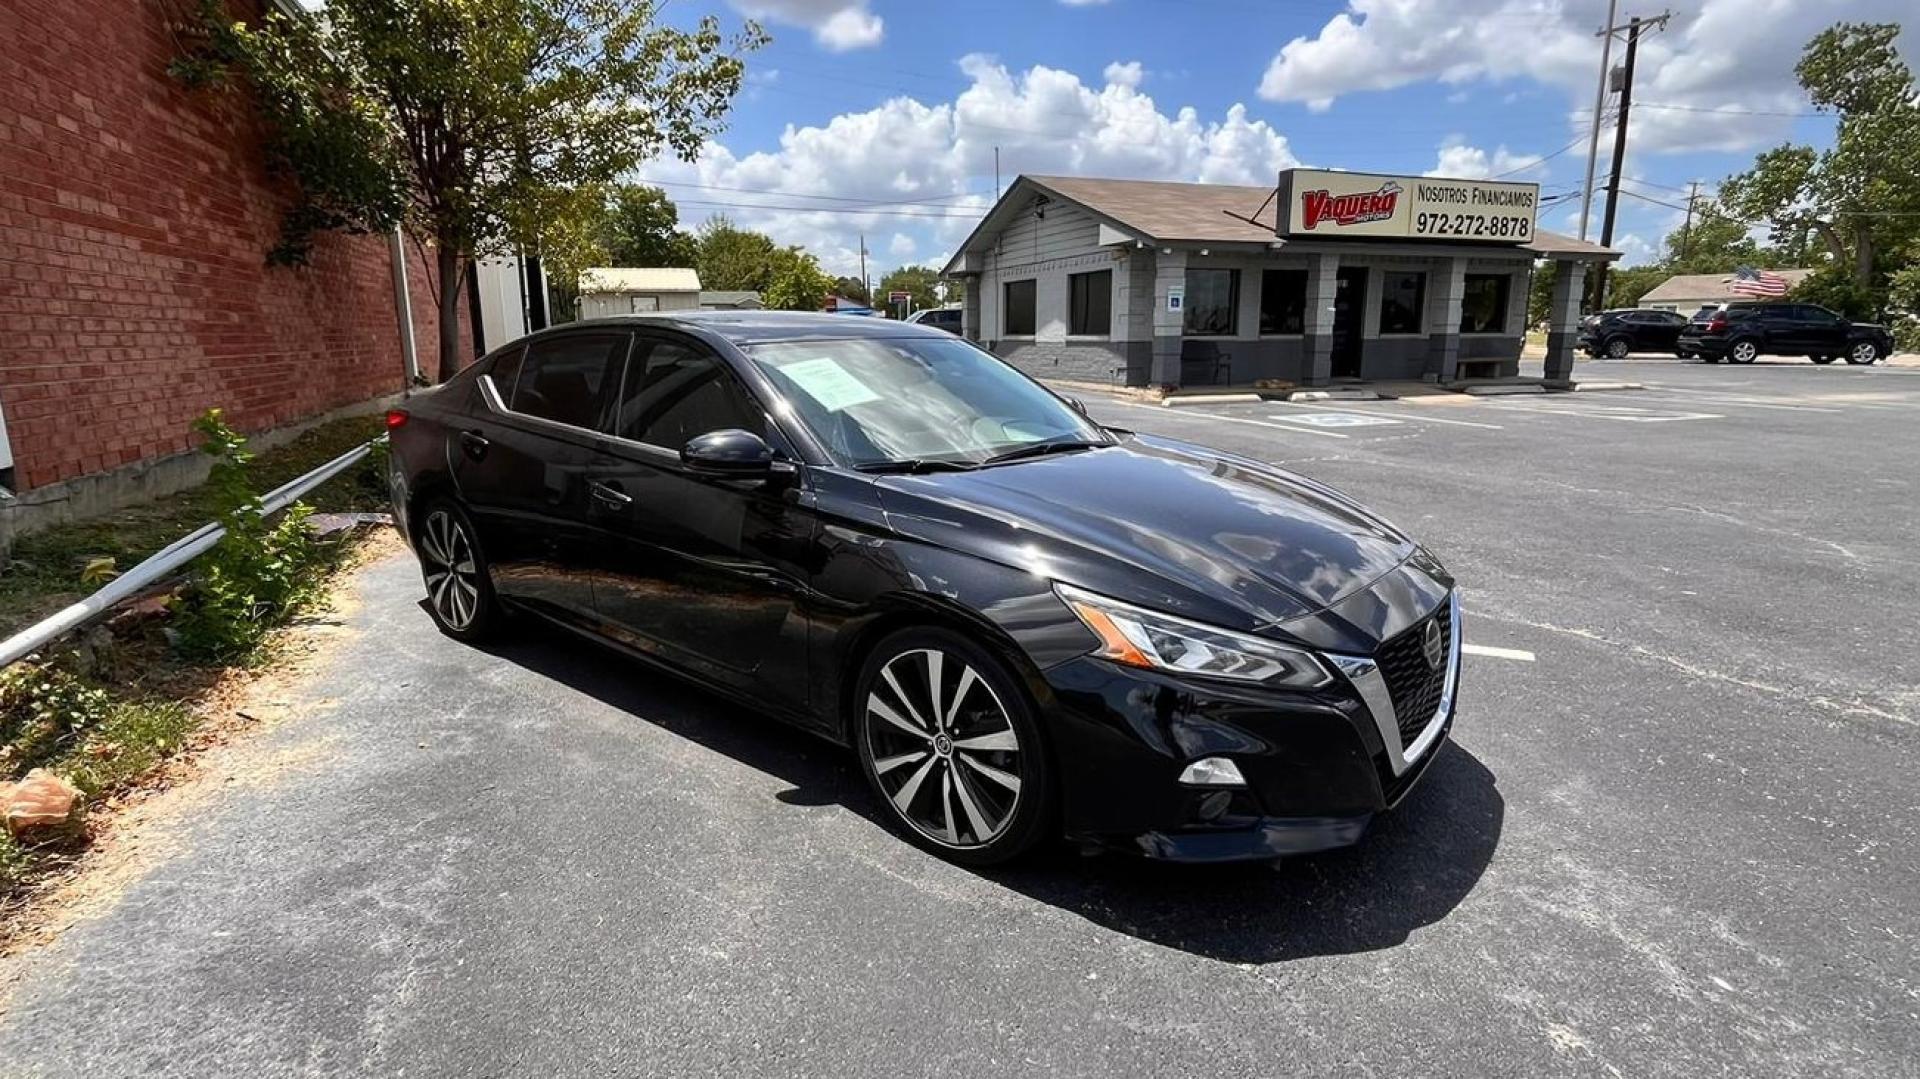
point(1318, 765)
point(1700, 345)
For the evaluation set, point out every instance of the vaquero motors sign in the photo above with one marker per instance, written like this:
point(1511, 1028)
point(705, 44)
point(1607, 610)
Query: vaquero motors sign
point(1319, 202)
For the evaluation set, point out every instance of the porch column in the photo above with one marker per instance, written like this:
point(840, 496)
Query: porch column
point(1322, 282)
point(1446, 287)
point(970, 307)
point(1563, 321)
point(1169, 327)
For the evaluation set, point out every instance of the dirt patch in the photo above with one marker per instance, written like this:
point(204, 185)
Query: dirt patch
point(138, 829)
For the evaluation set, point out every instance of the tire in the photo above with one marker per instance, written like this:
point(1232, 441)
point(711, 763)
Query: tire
point(1861, 353)
point(1618, 348)
point(460, 594)
point(1823, 359)
point(1745, 350)
point(964, 773)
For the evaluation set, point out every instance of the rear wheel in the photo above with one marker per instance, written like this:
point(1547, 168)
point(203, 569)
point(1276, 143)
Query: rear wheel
point(948, 741)
point(1745, 350)
point(1862, 352)
point(460, 593)
point(1618, 348)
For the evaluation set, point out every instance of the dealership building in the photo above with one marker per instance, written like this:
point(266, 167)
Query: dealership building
point(1326, 276)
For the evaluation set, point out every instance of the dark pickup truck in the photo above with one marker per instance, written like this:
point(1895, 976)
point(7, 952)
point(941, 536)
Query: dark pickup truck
point(1743, 332)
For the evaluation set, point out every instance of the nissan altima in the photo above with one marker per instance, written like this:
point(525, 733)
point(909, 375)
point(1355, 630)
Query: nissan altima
point(1024, 624)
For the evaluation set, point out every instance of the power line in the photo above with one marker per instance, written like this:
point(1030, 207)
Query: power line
point(807, 195)
point(959, 216)
point(1539, 160)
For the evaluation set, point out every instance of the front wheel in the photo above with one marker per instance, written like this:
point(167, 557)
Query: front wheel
point(460, 593)
point(1743, 352)
point(1862, 353)
point(1618, 348)
point(949, 743)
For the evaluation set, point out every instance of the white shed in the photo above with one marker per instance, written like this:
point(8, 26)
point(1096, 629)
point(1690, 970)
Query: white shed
point(621, 290)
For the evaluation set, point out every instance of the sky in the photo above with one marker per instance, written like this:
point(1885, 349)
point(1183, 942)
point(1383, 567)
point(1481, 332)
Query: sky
point(881, 119)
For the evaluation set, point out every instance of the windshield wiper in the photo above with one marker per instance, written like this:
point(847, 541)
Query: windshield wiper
point(914, 466)
point(1041, 449)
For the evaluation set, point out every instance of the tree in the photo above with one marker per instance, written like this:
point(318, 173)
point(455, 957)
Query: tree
point(797, 283)
point(641, 227)
point(480, 125)
point(921, 282)
point(732, 258)
point(1860, 197)
point(853, 289)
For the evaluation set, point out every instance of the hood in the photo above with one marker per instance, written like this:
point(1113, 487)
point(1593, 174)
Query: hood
point(1167, 525)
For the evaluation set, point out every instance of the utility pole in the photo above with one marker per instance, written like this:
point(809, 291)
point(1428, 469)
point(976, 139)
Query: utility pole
point(864, 287)
point(996, 174)
point(1686, 230)
point(1622, 113)
point(1599, 106)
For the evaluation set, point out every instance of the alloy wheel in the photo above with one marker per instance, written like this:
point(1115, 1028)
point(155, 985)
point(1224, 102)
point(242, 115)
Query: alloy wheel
point(1745, 352)
point(453, 577)
point(943, 748)
point(1864, 352)
point(1617, 348)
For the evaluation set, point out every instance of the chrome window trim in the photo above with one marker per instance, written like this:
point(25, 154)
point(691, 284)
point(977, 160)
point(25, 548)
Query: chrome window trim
point(1364, 674)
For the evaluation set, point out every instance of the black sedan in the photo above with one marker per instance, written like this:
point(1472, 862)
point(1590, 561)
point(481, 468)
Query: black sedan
point(1024, 624)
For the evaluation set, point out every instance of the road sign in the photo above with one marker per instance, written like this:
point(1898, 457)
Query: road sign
point(897, 296)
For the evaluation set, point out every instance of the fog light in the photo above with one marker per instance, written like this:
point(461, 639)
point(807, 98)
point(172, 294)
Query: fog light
point(1212, 772)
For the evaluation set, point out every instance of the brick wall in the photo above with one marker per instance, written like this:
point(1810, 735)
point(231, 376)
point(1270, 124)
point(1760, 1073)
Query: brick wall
point(134, 219)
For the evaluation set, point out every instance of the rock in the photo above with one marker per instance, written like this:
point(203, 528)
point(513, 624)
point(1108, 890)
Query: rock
point(41, 800)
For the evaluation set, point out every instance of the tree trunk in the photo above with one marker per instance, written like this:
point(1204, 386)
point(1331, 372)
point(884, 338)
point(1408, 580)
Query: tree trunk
point(452, 284)
point(1862, 257)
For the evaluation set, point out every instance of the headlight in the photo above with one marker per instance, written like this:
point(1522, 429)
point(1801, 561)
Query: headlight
point(1142, 638)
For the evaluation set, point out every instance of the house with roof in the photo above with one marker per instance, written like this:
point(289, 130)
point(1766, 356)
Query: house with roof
point(1322, 277)
point(1687, 293)
point(627, 290)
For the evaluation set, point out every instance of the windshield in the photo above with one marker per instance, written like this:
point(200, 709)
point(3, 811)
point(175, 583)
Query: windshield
point(874, 401)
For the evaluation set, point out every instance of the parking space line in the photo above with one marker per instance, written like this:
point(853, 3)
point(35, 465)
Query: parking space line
point(1491, 652)
point(1173, 413)
point(1389, 415)
point(1616, 413)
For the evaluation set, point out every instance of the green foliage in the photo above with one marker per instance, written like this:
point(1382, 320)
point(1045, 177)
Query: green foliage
point(258, 574)
point(1833, 287)
point(922, 281)
point(852, 288)
point(44, 712)
point(15, 863)
point(482, 125)
point(729, 257)
point(641, 227)
point(1903, 301)
point(798, 283)
point(1626, 286)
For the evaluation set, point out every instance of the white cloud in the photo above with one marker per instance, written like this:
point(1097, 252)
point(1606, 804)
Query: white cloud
point(838, 25)
point(1127, 74)
point(1635, 251)
point(1466, 162)
point(929, 164)
point(1723, 54)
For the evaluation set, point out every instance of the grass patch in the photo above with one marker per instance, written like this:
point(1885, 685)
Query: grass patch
point(49, 569)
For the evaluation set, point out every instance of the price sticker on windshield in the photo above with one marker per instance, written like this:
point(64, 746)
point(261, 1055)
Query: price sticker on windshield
point(827, 382)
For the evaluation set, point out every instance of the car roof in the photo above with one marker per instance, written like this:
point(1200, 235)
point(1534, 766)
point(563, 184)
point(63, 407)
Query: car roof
point(759, 327)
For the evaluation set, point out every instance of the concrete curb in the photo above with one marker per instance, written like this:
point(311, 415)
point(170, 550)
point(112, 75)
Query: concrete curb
point(1501, 391)
point(1590, 387)
point(1355, 394)
point(1211, 399)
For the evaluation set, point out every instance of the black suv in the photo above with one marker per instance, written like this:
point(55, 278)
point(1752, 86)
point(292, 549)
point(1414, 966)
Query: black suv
point(1617, 334)
point(1743, 332)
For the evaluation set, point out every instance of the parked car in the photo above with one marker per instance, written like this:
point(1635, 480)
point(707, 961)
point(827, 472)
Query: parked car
point(1742, 332)
point(1022, 623)
point(1620, 333)
point(940, 318)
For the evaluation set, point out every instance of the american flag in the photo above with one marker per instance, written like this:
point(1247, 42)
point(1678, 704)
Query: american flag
point(1748, 281)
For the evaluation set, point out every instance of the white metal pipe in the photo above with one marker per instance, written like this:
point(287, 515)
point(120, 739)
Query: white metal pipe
point(160, 564)
point(1599, 106)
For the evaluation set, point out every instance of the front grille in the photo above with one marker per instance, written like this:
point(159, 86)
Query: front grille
point(1414, 685)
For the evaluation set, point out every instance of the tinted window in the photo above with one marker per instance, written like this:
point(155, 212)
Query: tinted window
point(1402, 295)
point(1090, 303)
point(505, 372)
point(1483, 304)
point(1283, 301)
point(1212, 304)
point(675, 392)
point(1019, 312)
point(563, 378)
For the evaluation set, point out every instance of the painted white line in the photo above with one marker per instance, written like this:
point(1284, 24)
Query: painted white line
point(1623, 415)
point(1186, 414)
point(1337, 419)
point(1397, 416)
point(1490, 652)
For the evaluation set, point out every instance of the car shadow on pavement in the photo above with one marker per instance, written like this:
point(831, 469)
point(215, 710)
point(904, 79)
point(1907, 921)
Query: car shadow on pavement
point(1410, 870)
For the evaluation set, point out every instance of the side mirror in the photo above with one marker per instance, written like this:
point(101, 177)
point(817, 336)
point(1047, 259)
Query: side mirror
point(731, 454)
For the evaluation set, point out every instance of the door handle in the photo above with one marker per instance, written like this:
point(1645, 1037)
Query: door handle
point(610, 495)
point(474, 443)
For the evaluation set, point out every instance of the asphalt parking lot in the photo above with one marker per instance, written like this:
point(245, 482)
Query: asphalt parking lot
point(1673, 835)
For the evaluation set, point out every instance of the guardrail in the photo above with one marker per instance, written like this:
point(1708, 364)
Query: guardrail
point(163, 562)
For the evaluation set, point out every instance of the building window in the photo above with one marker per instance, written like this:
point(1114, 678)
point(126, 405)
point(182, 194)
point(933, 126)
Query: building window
point(1090, 303)
point(1483, 306)
point(1402, 298)
point(1213, 302)
point(1283, 301)
point(1018, 316)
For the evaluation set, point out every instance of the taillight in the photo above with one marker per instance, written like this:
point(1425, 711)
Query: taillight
point(1717, 324)
point(396, 417)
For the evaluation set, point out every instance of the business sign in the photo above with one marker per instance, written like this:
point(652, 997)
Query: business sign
point(1319, 202)
point(897, 296)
